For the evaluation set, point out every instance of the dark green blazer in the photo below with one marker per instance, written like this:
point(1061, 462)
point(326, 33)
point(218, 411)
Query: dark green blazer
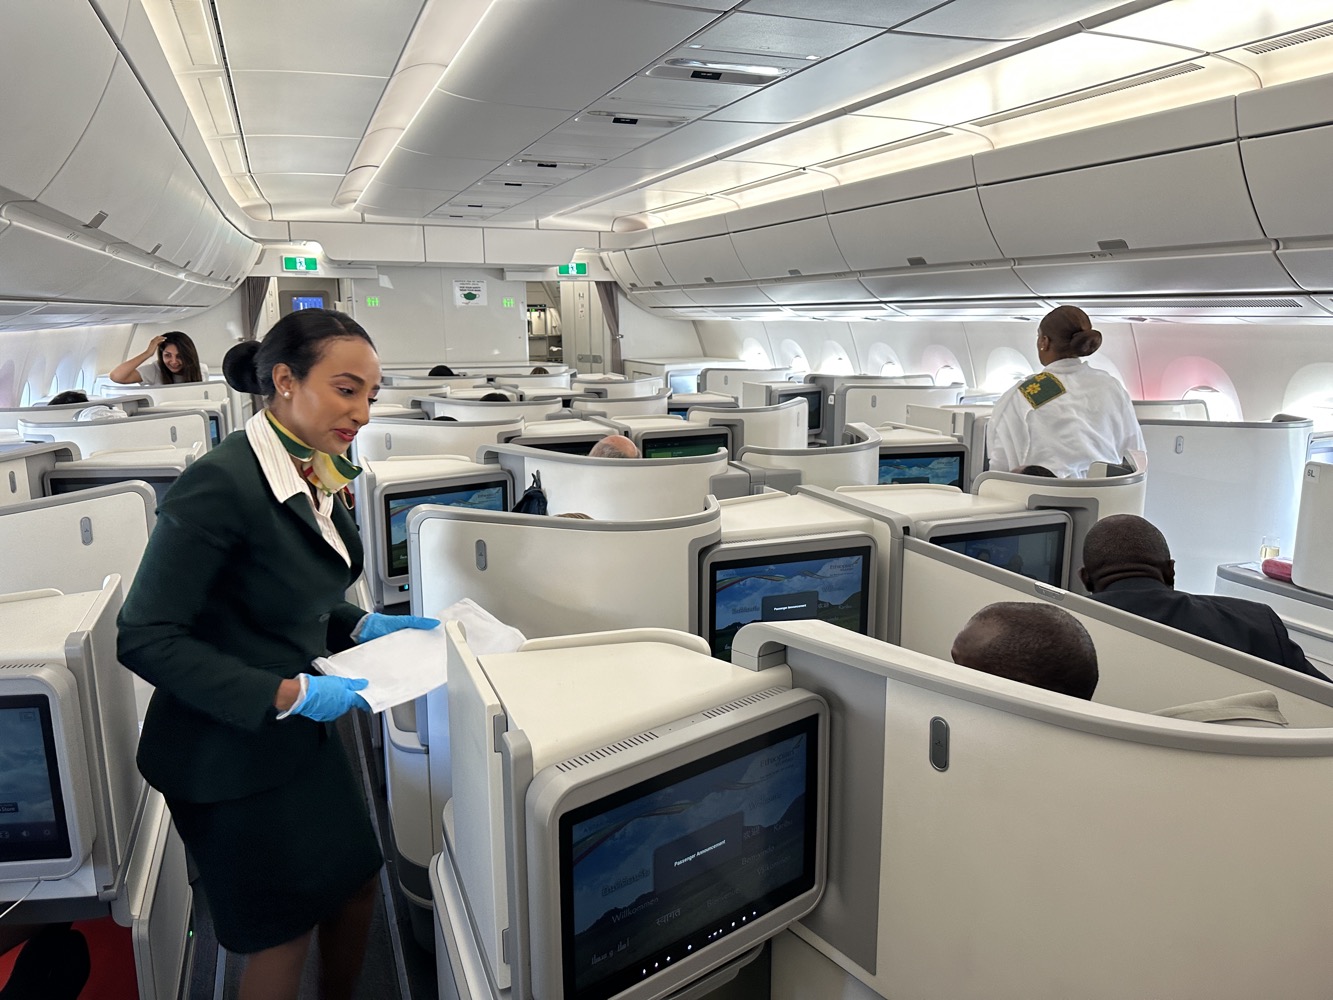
point(235, 592)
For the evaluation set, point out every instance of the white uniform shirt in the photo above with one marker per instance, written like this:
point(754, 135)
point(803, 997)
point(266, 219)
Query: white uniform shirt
point(1092, 421)
point(150, 374)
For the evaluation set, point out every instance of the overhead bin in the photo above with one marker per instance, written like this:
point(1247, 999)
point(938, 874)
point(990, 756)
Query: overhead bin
point(983, 279)
point(647, 265)
point(118, 172)
point(617, 262)
point(1311, 265)
point(63, 93)
point(1250, 269)
point(660, 299)
point(800, 206)
point(934, 178)
point(729, 295)
point(936, 229)
point(1289, 181)
point(847, 289)
point(789, 249)
point(1196, 197)
point(696, 262)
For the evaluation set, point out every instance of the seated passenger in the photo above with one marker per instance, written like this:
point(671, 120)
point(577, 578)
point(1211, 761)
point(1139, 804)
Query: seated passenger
point(1127, 564)
point(539, 370)
point(441, 371)
point(1038, 644)
point(176, 361)
point(88, 413)
point(495, 397)
point(614, 446)
point(1035, 470)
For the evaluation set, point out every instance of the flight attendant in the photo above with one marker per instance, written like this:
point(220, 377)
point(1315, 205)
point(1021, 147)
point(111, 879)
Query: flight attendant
point(240, 588)
point(1069, 414)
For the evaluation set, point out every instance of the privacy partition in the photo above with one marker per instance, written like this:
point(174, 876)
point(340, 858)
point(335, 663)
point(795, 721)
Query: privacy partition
point(994, 841)
point(1217, 490)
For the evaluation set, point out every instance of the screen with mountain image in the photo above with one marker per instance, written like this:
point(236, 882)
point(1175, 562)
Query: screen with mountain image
point(667, 866)
point(830, 584)
point(941, 469)
point(492, 495)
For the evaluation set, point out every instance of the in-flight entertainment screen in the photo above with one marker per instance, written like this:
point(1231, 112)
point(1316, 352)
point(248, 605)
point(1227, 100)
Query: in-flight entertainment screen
point(831, 585)
point(32, 809)
point(482, 496)
point(942, 469)
point(1037, 552)
point(671, 864)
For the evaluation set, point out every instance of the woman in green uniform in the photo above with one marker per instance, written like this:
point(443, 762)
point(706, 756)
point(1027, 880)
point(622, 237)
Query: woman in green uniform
point(240, 588)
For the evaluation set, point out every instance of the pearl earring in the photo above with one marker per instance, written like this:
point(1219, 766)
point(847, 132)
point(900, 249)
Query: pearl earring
point(286, 395)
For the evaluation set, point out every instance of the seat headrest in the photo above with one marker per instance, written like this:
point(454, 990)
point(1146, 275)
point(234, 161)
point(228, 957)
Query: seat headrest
point(1255, 708)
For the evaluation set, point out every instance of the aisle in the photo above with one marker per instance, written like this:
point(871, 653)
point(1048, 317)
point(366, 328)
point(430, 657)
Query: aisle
point(396, 968)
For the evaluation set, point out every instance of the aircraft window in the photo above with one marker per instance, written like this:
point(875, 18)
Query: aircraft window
point(891, 368)
point(948, 375)
point(799, 364)
point(26, 398)
point(1220, 405)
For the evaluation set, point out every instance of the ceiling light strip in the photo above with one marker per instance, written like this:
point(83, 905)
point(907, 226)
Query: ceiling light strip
point(1092, 92)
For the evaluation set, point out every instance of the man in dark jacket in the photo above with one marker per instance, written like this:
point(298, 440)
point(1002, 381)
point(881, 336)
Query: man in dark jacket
point(1127, 564)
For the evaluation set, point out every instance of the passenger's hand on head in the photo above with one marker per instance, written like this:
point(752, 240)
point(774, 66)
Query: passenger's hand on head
point(156, 342)
point(375, 625)
point(327, 698)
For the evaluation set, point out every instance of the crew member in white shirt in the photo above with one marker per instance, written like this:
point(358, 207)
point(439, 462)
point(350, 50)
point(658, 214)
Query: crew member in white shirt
point(1069, 414)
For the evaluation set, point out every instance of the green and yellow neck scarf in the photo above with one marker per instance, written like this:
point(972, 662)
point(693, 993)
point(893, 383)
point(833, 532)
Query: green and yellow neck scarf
point(329, 473)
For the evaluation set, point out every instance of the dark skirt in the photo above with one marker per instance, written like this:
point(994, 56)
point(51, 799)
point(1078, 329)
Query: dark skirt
point(274, 865)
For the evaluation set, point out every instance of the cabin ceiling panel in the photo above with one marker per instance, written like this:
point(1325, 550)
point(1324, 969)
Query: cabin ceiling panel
point(329, 36)
point(454, 244)
point(654, 94)
point(150, 63)
point(297, 103)
point(693, 142)
point(722, 174)
point(450, 124)
point(877, 13)
point(419, 170)
point(1010, 21)
point(754, 34)
point(874, 66)
point(307, 154)
point(568, 52)
point(70, 89)
point(306, 191)
point(611, 177)
point(1196, 23)
point(415, 203)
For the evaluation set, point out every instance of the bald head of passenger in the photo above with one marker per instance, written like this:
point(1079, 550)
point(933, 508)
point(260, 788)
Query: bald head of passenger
point(1122, 547)
point(1037, 644)
point(614, 446)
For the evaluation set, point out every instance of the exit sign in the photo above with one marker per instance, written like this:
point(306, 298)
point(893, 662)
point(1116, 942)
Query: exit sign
point(572, 270)
point(300, 264)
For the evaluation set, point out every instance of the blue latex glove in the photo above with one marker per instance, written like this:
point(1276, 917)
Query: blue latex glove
point(327, 698)
point(375, 625)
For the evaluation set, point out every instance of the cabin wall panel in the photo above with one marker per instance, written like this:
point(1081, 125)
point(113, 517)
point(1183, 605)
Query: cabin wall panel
point(744, 339)
point(646, 334)
point(418, 321)
point(1259, 361)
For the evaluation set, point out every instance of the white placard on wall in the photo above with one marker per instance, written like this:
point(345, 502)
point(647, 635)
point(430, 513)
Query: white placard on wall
point(469, 291)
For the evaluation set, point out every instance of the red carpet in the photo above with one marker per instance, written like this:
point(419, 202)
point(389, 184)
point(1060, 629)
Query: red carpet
point(112, 956)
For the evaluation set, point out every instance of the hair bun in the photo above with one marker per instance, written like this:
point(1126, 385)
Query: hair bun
point(1086, 342)
point(238, 367)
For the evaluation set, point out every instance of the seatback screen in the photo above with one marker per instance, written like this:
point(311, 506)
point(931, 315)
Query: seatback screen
point(831, 585)
point(60, 485)
point(32, 809)
point(671, 864)
point(684, 445)
point(562, 447)
point(214, 428)
point(942, 469)
point(814, 398)
point(1037, 552)
point(492, 495)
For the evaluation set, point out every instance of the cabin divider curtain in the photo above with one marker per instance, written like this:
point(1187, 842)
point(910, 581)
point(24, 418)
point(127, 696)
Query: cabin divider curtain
point(255, 291)
point(606, 294)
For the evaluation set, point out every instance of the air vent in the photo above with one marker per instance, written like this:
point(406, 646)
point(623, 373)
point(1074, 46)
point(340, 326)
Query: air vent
point(1295, 38)
point(1191, 304)
point(795, 272)
point(1112, 245)
point(731, 706)
point(916, 261)
point(1086, 95)
point(610, 750)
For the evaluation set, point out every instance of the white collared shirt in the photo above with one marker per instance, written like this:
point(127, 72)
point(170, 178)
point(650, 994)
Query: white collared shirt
point(286, 481)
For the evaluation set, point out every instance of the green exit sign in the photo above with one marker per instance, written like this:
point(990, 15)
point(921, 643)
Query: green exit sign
point(372, 300)
point(300, 264)
point(572, 270)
